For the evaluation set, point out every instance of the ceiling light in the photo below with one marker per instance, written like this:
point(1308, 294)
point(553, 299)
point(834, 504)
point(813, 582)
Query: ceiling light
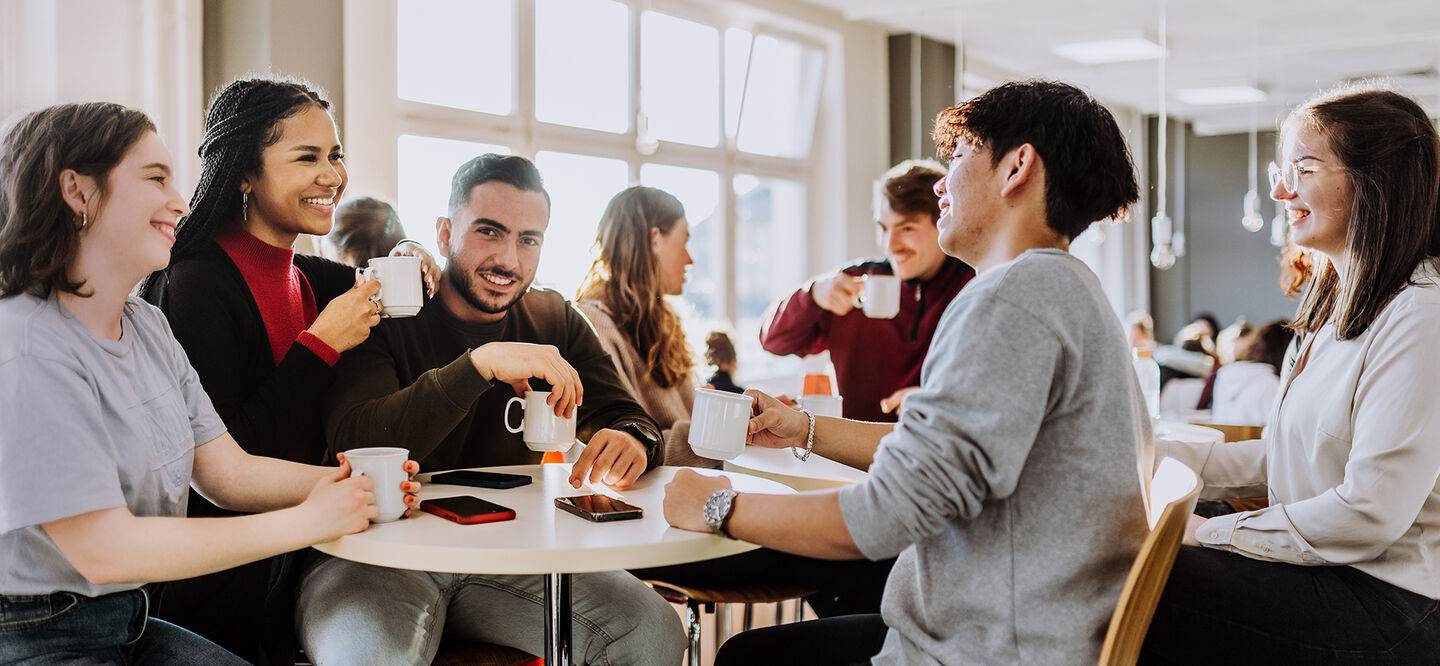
point(1221, 95)
point(1105, 51)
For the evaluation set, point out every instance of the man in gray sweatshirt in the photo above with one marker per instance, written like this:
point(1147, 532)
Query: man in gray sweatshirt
point(1011, 486)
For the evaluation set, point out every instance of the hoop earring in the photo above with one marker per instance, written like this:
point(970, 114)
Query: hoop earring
point(244, 206)
point(84, 220)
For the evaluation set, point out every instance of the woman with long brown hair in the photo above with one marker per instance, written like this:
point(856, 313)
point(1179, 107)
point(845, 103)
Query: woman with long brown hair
point(642, 238)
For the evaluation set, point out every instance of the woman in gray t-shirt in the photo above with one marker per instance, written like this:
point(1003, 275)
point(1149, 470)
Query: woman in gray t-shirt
point(104, 426)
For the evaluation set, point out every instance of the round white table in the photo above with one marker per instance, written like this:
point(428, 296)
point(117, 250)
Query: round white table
point(817, 473)
point(543, 539)
point(1189, 433)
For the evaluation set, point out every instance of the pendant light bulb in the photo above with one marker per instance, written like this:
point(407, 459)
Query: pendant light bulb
point(1252, 219)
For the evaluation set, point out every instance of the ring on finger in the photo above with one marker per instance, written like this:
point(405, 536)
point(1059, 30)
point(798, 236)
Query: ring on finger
point(378, 307)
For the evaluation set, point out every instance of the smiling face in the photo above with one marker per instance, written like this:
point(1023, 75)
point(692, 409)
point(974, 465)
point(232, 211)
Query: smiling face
point(1319, 209)
point(911, 240)
point(672, 258)
point(965, 226)
point(301, 178)
point(493, 244)
point(135, 224)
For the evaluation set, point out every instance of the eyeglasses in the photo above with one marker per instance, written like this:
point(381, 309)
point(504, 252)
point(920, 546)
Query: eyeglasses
point(1289, 175)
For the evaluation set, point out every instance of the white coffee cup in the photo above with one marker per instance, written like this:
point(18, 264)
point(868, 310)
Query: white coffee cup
point(385, 465)
point(543, 430)
point(401, 290)
point(823, 405)
point(718, 423)
point(881, 296)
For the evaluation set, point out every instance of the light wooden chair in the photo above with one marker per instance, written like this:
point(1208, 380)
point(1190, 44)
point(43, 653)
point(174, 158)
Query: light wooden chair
point(714, 600)
point(1172, 499)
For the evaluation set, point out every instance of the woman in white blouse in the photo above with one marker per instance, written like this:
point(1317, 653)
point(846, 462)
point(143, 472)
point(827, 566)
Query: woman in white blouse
point(1344, 564)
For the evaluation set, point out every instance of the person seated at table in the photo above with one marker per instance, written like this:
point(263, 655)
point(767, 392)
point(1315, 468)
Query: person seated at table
point(104, 426)
point(1343, 565)
point(1016, 510)
point(438, 383)
point(365, 228)
point(877, 361)
point(720, 354)
point(1245, 388)
point(261, 324)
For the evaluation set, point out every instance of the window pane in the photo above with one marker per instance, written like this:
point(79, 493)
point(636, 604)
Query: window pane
point(440, 45)
point(769, 262)
point(579, 186)
point(778, 117)
point(680, 79)
point(426, 164)
point(582, 64)
point(699, 191)
point(737, 62)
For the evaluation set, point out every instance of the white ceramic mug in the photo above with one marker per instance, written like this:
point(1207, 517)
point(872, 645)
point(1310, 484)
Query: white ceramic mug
point(881, 296)
point(543, 430)
point(401, 287)
point(385, 465)
point(718, 423)
point(823, 405)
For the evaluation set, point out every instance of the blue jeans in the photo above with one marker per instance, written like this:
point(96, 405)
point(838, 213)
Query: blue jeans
point(1223, 608)
point(65, 628)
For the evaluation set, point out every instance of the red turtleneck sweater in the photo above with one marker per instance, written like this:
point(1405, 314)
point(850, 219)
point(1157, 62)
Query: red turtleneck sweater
point(281, 292)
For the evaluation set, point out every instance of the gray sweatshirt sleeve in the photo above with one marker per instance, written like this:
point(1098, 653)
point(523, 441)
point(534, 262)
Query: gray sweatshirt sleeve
point(964, 436)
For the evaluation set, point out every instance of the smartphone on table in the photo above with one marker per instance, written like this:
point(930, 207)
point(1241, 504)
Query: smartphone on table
point(478, 479)
point(467, 510)
point(599, 508)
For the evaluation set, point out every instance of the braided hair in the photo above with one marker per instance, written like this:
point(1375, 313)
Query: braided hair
point(243, 120)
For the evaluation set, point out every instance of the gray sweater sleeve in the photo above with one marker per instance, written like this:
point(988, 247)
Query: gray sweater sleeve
point(963, 438)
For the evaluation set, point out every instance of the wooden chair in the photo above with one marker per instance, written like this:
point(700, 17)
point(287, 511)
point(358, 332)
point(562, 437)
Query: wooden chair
point(1172, 499)
point(694, 598)
point(466, 653)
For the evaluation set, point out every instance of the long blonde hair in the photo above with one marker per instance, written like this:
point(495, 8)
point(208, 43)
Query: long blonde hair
point(626, 279)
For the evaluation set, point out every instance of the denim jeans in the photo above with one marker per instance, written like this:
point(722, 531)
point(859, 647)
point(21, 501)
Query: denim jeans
point(1223, 608)
point(68, 628)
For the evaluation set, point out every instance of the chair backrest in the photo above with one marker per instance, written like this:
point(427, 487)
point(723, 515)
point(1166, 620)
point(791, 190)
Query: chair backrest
point(1235, 433)
point(1172, 500)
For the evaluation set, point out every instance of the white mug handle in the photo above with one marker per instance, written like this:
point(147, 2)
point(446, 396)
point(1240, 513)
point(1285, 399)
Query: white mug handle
point(510, 404)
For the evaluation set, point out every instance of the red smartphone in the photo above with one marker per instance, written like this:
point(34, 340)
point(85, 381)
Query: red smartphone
point(598, 508)
point(467, 510)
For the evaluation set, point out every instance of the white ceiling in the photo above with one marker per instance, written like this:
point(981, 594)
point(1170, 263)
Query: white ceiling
point(1290, 47)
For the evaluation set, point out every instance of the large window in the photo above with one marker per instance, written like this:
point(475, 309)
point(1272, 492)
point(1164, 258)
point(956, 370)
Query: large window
point(603, 94)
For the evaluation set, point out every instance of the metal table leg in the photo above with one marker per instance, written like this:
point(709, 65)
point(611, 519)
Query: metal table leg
point(557, 619)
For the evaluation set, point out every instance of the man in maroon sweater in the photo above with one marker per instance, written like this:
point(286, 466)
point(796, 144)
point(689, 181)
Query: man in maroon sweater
point(877, 361)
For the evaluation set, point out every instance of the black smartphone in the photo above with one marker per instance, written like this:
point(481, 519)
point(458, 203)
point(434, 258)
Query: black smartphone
point(598, 508)
point(470, 477)
point(467, 510)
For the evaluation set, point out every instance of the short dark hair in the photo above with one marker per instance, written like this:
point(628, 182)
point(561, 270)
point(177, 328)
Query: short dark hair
point(1266, 344)
point(39, 233)
point(365, 228)
point(1391, 154)
point(1089, 175)
point(908, 188)
point(512, 170)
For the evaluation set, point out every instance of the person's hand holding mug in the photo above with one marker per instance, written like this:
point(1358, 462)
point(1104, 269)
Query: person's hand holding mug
point(338, 505)
point(775, 426)
point(836, 293)
point(429, 270)
point(347, 320)
point(514, 363)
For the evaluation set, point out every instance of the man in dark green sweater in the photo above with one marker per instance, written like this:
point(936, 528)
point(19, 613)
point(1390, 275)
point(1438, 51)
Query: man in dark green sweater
point(437, 384)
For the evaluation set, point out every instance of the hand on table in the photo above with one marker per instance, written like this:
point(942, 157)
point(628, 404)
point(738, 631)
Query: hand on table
point(892, 403)
point(612, 457)
point(774, 425)
point(836, 293)
point(429, 270)
point(685, 497)
point(514, 363)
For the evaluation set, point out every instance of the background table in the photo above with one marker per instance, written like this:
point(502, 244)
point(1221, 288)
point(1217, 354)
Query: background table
point(543, 539)
point(817, 473)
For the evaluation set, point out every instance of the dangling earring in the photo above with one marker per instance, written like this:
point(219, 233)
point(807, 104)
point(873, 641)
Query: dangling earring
point(84, 220)
point(244, 206)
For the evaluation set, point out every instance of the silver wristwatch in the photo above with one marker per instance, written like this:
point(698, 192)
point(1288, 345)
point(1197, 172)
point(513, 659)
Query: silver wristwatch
point(717, 510)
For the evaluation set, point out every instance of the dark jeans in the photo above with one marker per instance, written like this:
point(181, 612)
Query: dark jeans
point(1223, 608)
point(852, 639)
point(111, 629)
point(843, 587)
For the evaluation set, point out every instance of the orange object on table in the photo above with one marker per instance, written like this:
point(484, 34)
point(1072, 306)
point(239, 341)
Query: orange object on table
point(553, 457)
point(816, 384)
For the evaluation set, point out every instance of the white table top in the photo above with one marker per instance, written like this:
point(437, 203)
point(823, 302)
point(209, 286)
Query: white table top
point(817, 473)
point(543, 539)
point(1178, 431)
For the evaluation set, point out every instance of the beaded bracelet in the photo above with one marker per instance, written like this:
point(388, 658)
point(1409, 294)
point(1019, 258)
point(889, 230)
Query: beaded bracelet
point(809, 438)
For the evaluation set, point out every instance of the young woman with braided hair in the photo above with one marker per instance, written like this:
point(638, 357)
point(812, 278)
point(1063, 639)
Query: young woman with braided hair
point(262, 325)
